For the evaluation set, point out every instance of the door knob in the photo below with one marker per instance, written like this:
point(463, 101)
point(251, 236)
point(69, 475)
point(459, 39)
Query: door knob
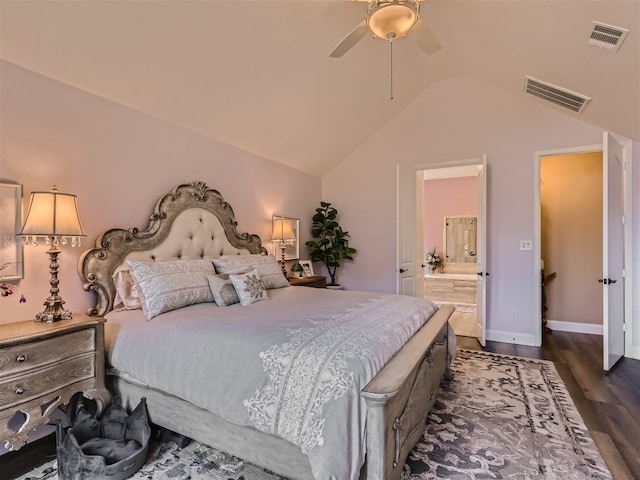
point(606, 281)
point(402, 270)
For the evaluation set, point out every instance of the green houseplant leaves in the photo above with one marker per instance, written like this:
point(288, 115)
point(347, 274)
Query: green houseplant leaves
point(331, 244)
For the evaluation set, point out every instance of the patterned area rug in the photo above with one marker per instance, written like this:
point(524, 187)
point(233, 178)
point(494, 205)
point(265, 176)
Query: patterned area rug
point(504, 417)
point(500, 417)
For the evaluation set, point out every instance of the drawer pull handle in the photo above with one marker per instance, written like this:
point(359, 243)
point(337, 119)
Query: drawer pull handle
point(19, 391)
point(21, 358)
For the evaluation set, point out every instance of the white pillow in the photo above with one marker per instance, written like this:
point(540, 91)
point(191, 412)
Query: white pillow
point(126, 292)
point(223, 291)
point(165, 286)
point(249, 287)
point(267, 267)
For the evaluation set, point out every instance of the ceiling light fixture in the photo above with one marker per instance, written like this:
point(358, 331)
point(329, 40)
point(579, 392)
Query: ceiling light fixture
point(391, 19)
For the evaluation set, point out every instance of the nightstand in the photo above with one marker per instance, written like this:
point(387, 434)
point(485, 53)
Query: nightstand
point(42, 365)
point(315, 281)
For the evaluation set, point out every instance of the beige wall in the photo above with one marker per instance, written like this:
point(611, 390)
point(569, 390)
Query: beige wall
point(571, 221)
point(119, 162)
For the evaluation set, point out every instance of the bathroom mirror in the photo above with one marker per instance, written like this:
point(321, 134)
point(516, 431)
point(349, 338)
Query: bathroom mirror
point(460, 234)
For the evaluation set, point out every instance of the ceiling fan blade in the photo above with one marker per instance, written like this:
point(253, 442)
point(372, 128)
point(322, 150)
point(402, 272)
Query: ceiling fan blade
point(422, 35)
point(350, 40)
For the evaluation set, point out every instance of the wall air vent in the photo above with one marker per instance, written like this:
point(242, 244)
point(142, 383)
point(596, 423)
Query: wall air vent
point(607, 36)
point(554, 94)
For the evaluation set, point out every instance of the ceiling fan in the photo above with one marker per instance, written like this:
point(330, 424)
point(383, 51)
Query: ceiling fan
point(389, 20)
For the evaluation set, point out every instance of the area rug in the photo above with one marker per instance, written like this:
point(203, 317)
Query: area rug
point(500, 417)
point(504, 417)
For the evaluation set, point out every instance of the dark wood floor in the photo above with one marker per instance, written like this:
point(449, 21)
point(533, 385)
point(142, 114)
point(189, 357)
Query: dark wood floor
point(609, 403)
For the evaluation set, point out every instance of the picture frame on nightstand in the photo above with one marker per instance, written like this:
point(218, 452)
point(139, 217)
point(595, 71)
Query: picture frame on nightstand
point(307, 268)
point(11, 267)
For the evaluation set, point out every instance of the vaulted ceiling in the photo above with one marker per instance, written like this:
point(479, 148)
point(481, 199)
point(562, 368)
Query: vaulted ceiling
point(257, 74)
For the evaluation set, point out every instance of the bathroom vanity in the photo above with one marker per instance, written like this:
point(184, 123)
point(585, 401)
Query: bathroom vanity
point(450, 288)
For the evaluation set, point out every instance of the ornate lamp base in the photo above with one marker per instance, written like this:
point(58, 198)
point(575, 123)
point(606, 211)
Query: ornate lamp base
point(283, 263)
point(54, 309)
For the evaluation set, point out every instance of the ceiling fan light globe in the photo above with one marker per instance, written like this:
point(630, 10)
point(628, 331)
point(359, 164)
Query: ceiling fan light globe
point(389, 19)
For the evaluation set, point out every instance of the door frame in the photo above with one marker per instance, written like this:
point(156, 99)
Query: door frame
point(628, 304)
point(469, 162)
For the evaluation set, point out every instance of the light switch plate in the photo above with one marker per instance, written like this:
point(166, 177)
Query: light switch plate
point(526, 245)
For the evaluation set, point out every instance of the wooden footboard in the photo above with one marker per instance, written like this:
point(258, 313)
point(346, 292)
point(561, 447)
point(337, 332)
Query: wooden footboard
point(401, 395)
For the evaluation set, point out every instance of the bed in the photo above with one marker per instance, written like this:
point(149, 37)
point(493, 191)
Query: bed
point(305, 382)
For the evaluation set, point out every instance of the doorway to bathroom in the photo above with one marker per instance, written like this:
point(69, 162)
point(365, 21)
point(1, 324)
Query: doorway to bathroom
point(450, 220)
point(412, 264)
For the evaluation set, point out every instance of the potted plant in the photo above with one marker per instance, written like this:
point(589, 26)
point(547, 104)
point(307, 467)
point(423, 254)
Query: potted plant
point(432, 257)
point(331, 244)
point(296, 270)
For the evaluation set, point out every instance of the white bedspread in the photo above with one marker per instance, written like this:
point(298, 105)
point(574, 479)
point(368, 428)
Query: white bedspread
point(293, 365)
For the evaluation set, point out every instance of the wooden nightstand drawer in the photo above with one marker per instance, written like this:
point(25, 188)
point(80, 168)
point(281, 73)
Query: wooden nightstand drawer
point(22, 388)
point(42, 365)
point(315, 281)
point(19, 358)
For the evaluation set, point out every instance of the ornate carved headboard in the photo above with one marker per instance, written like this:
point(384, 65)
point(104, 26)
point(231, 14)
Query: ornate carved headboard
point(191, 221)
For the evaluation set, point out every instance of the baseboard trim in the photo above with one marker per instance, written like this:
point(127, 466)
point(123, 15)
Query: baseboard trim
point(510, 337)
point(575, 327)
point(635, 353)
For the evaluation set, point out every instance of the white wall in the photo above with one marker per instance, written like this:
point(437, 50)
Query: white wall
point(119, 162)
point(458, 119)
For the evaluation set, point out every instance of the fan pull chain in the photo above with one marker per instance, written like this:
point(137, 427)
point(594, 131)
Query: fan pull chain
point(391, 69)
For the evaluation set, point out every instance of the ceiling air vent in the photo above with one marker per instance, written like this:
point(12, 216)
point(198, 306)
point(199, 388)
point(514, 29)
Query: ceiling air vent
point(554, 94)
point(607, 36)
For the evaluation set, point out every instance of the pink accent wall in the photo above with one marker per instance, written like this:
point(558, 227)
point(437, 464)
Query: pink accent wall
point(119, 162)
point(446, 197)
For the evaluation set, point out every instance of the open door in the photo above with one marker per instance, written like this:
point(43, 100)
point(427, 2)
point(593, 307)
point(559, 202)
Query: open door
point(481, 301)
point(408, 262)
point(613, 251)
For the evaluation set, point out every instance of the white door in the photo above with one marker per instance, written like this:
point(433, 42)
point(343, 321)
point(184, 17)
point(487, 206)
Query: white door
point(419, 246)
point(407, 262)
point(481, 302)
point(613, 251)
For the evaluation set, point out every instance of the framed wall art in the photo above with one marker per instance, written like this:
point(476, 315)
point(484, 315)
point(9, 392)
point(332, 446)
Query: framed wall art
point(11, 267)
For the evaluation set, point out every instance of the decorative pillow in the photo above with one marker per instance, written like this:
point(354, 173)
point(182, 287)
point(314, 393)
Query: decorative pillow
point(249, 287)
point(126, 292)
point(267, 266)
point(165, 286)
point(223, 291)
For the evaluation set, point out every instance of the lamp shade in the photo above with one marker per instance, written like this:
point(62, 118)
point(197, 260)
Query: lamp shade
point(282, 230)
point(52, 214)
point(389, 19)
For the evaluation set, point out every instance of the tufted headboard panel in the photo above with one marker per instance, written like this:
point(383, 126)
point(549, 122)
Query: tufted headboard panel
point(191, 221)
